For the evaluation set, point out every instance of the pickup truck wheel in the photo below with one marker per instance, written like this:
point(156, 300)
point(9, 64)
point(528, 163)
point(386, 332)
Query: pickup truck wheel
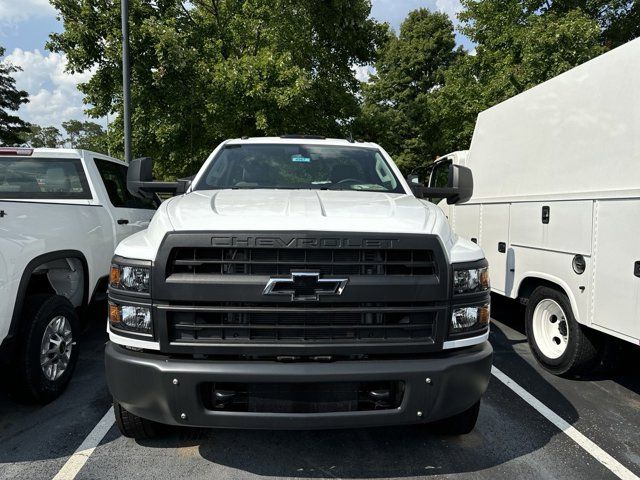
point(459, 424)
point(558, 342)
point(48, 352)
point(133, 426)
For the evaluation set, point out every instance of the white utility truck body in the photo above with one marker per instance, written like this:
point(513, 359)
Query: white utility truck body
point(557, 178)
point(62, 213)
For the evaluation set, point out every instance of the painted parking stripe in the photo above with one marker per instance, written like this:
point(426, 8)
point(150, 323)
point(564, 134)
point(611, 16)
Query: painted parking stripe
point(70, 469)
point(591, 448)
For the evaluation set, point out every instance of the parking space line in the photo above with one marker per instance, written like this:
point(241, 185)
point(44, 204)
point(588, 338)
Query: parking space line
point(73, 465)
point(591, 448)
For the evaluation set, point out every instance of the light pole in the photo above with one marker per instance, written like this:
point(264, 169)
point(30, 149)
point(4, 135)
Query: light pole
point(126, 84)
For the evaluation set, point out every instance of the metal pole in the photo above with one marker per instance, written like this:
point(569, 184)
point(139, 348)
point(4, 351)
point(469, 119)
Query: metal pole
point(126, 85)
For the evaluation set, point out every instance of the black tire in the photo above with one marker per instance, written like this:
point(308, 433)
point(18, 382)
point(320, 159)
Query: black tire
point(133, 426)
point(29, 379)
point(460, 424)
point(582, 347)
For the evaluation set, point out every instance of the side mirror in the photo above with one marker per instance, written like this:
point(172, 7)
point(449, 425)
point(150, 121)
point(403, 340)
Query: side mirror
point(461, 180)
point(416, 187)
point(140, 181)
point(459, 188)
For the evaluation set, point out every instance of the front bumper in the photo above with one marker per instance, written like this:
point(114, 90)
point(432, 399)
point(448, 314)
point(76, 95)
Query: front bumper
point(162, 389)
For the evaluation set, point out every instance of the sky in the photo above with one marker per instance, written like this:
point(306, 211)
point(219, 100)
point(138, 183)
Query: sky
point(25, 26)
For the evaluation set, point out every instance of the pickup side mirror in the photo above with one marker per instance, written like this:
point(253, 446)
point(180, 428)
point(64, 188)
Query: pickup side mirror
point(140, 181)
point(416, 187)
point(459, 187)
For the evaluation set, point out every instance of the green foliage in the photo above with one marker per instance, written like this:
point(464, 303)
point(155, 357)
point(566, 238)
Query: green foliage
point(85, 135)
point(11, 126)
point(207, 70)
point(397, 110)
point(39, 137)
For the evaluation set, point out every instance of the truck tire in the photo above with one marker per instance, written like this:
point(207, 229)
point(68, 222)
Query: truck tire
point(133, 426)
point(47, 353)
point(559, 343)
point(459, 424)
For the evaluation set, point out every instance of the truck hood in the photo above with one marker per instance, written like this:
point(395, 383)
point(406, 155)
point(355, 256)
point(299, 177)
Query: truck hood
point(300, 210)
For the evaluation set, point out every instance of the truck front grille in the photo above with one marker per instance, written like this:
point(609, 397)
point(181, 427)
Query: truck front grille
point(283, 261)
point(302, 326)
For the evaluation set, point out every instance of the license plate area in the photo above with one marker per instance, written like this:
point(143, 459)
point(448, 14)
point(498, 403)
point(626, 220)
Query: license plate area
point(300, 398)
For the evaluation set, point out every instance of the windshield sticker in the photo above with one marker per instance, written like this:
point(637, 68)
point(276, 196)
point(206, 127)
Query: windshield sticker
point(300, 159)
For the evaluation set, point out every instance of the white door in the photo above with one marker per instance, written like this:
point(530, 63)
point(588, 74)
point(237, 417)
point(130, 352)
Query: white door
point(616, 300)
point(494, 240)
point(131, 214)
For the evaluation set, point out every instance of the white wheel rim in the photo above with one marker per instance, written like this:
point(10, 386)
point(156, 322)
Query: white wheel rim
point(550, 328)
point(55, 349)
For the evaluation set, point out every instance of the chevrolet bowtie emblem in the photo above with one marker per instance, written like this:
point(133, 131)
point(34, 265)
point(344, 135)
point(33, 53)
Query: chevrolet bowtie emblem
point(305, 286)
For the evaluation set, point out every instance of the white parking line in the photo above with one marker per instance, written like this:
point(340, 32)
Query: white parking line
point(70, 469)
point(591, 448)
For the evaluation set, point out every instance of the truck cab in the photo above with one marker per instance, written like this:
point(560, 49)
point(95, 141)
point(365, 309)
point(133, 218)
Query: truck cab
point(300, 282)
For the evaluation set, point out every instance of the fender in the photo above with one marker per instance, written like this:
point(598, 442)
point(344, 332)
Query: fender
point(559, 282)
point(26, 275)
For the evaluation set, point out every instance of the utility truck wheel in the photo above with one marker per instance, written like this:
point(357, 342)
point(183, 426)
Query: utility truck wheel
point(459, 424)
point(47, 352)
point(133, 426)
point(559, 343)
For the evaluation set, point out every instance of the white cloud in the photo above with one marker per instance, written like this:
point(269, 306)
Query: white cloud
point(53, 93)
point(20, 10)
point(362, 72)
point(450, 7)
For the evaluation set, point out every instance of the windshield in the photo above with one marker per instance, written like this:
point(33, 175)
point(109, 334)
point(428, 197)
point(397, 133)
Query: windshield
point(290, 166)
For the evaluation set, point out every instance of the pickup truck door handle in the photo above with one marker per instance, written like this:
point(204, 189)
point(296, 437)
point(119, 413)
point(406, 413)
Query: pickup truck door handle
point(123, 221)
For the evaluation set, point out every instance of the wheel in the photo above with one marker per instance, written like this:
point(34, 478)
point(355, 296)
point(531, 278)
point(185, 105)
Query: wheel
point(558, 342)
point(459, 424)
point(47, 353)
point(133, 426)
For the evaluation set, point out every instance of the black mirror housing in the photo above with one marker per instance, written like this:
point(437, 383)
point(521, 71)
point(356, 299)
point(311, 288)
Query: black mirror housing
point(459, 189)
point(461, 180)
point(140, 181)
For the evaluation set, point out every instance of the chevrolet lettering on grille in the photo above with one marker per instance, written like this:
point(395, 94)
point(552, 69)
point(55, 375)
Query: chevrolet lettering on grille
point(305, 286)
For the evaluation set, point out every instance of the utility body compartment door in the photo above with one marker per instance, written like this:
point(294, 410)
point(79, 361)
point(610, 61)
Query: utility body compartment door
point(494, 240)
point(616, 299)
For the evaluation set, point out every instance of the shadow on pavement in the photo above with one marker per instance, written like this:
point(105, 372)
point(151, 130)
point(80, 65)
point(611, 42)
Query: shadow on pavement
point(620, 358)
point(507, 429)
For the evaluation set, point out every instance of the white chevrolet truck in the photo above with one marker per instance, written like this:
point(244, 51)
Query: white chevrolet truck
point(62, 212)
point(299, 283)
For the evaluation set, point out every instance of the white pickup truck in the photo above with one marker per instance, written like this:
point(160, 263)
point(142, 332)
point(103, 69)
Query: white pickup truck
point(62, 212)
point(299, 283)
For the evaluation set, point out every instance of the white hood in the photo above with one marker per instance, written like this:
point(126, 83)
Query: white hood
point(300, 210)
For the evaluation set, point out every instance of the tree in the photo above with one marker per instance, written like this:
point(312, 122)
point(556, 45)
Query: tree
point(39, 137)
point(206, 70)
point(86, 135)
point(11, 126)
point(396, 110)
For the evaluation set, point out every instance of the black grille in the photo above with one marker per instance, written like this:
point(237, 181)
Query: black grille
point(302, 326)
point(283, 261)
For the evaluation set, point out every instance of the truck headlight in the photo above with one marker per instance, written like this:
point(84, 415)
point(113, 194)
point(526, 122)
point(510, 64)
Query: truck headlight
point(464, 319)
point(471, 280)
point(130, 318)
point(131, 278)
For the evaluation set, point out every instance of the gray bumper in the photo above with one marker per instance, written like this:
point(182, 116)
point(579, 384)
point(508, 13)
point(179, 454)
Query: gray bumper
point(144, 385)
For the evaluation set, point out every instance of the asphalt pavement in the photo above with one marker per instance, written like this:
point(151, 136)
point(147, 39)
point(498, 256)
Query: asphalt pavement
point(512, 439)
